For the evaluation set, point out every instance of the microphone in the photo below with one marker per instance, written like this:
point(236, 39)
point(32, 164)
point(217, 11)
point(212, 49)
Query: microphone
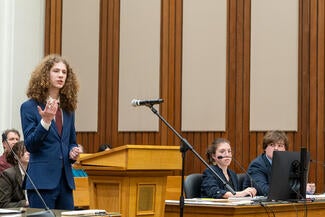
point(47, 212)
point(253, 183)
point(221, 157)
point(251, 180)
point(151, 102)
point(241, 167)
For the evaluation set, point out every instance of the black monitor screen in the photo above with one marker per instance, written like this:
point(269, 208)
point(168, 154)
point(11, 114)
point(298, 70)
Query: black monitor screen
point(289, 175)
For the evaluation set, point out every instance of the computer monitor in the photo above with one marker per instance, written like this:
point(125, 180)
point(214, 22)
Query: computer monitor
point(289, 175)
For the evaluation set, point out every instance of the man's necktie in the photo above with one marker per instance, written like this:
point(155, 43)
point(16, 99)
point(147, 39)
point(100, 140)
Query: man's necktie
point(58, 120)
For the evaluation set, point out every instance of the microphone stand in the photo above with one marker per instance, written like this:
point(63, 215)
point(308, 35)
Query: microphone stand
point(185, 145)
point(47, 212)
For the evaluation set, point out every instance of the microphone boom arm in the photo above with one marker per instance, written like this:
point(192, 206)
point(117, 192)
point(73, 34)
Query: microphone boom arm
point(185, 145)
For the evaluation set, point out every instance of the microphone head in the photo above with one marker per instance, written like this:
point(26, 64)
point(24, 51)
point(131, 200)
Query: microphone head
point(134, 102)
point(151, 102)
point(221, 157)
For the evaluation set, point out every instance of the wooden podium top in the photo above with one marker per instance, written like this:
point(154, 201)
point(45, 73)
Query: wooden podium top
point(136, 157)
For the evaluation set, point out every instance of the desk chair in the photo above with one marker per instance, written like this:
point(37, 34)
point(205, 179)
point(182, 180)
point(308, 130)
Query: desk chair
point(241, 178)
point(192, 185)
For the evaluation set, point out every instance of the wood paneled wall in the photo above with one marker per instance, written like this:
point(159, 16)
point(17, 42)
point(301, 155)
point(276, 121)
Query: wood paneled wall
point(246, 144)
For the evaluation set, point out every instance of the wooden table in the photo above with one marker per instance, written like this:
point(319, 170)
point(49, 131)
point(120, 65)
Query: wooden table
point(309, 209)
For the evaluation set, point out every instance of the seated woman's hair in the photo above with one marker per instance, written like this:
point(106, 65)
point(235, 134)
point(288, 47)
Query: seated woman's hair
point(213, 147)
point(103, 147)
point(18, 150)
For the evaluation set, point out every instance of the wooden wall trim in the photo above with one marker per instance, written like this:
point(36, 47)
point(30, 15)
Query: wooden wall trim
point(53, 21)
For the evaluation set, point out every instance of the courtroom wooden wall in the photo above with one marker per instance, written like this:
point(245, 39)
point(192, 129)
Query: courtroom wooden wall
point(246, 144)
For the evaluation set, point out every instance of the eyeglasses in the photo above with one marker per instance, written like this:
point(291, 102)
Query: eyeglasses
point(277, 145)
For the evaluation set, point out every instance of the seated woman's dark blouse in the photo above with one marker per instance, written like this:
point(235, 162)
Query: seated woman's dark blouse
point(213, 187)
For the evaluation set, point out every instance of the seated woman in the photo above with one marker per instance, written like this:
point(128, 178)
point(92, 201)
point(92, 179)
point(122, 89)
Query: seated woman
point(11, 179)
point(219, 156)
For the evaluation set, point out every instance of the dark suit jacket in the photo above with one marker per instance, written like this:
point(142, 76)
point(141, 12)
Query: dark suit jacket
point(49, 152)
point(260, 172)
point(212, 187)
point(11, 192)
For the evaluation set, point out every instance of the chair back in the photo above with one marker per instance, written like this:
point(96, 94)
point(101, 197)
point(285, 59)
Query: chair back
point(192, 185)
point(241, 179)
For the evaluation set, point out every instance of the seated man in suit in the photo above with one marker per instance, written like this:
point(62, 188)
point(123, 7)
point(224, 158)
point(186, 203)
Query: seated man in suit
point(260, 168)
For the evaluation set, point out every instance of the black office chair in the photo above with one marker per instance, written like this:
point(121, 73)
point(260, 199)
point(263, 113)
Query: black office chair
point(192, 185)
point(241, 178)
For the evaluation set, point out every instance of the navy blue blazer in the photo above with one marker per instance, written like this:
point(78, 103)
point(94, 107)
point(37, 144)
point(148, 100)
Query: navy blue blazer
point(212, 187)
point(260, 172)
point(49, 153)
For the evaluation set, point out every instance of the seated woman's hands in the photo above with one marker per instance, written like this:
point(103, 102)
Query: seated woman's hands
point(246, 192)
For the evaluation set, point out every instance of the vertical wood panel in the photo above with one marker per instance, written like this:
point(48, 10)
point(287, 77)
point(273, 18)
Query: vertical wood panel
point(178, 62)
point(320, 149)
point(231, 72)
point(53, 27)
point(304, 62)
point(112, 100)
point(313, 88)
point(170, 113)
point(103, 109)
point(166, 4)
point(238, 140)
point(247, 149)
point(47, 27)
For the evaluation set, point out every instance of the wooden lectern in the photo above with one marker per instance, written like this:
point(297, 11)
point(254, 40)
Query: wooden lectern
point(131, 179)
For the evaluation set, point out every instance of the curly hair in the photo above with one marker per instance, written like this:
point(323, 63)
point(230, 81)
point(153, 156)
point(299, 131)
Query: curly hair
point(39, 83)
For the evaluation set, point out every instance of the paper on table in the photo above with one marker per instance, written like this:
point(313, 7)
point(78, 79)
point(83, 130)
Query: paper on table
point(9, 211)
point(207, 201)
point(87, 212)
point(10, 215)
